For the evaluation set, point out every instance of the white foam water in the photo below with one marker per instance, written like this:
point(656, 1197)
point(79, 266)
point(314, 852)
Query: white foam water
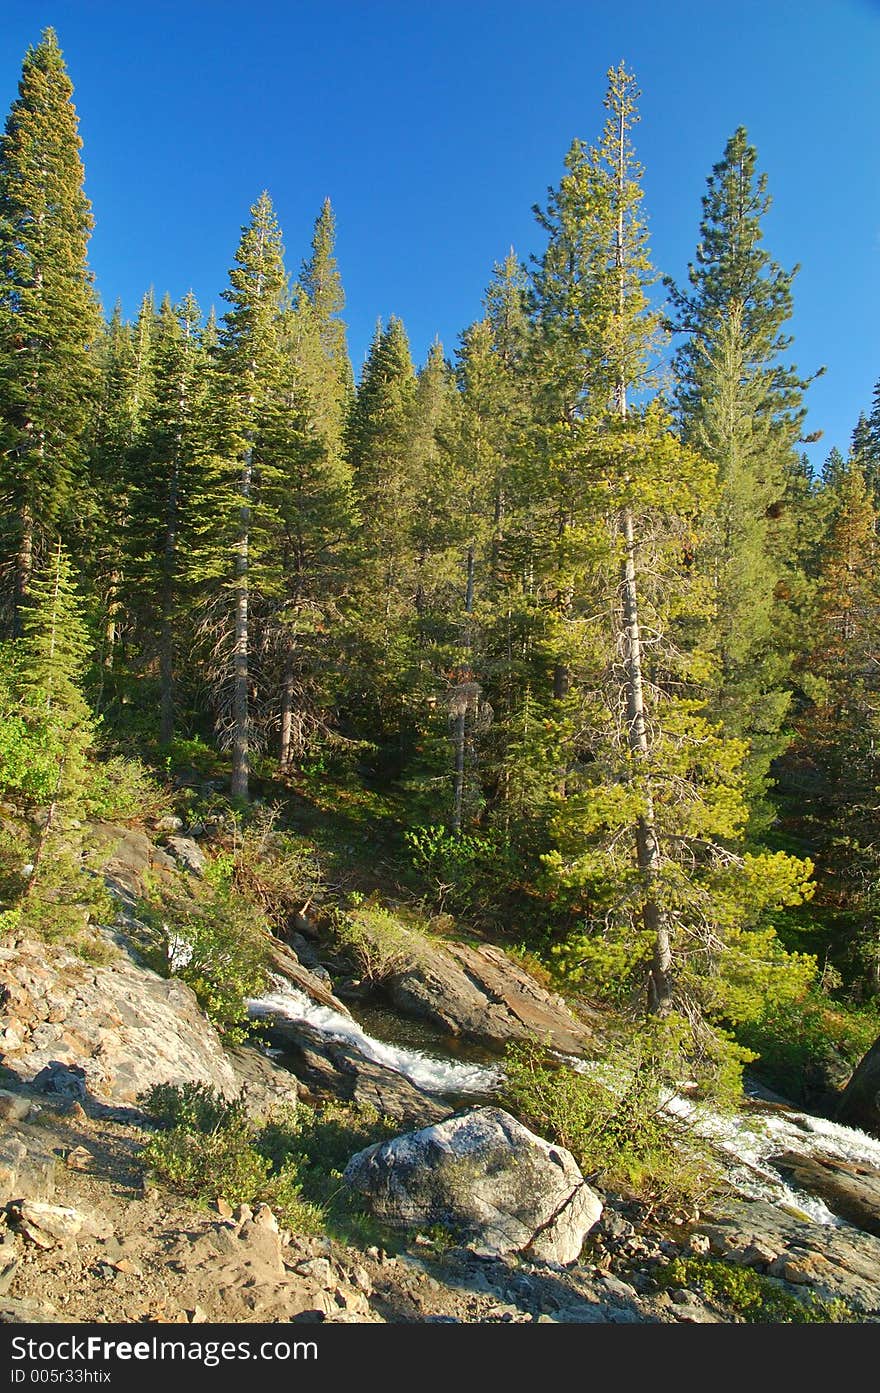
point(425, 1070)
point(745, 1140)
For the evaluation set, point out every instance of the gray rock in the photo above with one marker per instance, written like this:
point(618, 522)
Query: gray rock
point(852, 1191)
point(832, 1261)
point(484, 1175)
point(27, 1169)
point(13, 1107)
point(482, 995)
point(108, 1031)
point(328, 1066)
point(859, 1104)
point(189, 854)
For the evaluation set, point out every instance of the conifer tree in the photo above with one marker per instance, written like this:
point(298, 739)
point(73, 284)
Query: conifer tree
point(48, 314)
point(379, 437)
point(165, 462)
point(234, 526)
point(832, 771)
point(649, 822)
point(740, 404)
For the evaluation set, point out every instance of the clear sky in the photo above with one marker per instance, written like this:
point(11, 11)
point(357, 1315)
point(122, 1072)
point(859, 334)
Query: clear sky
point(435, 125)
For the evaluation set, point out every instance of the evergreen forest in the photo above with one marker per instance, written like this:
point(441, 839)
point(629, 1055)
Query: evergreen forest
point(557, 635)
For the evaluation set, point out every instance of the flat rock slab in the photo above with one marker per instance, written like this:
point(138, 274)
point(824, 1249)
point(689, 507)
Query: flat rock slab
point(850, 1190)
point(480, 994)
point(484, 1176)
point(833, 1261)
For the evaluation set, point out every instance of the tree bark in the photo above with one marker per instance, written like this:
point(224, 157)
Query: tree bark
point(647, 844)
point(241, 672)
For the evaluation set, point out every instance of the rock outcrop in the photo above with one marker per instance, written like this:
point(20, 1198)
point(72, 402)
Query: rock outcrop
point(486, 1177)
point(850, 1190)
point(859, 1104)
point(480, 994)
point(331, 1067)
point(121, 1024)
point(833, 1262)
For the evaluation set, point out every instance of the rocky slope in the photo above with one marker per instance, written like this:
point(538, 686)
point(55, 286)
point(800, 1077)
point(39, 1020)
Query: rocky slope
point(86, 1235)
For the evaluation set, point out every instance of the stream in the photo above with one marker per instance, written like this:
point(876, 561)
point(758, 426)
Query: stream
point(743, 1140)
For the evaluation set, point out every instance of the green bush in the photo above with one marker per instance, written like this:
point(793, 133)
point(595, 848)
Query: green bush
point(751, 1296)
point(124, 790)
point(211, 1149)
point(458, 867)
point(378, 940)
point(616, 1130)
point(809, 1047)
point(218, 945)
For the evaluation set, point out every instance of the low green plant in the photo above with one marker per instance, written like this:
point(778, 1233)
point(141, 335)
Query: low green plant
point(218, 944)
point(457, 867)
point(122, 789)
point(279, 872)
point(612, 1119)
point(380, 943)
point(809, 1047)
point(749, 1295)
point(211, 1148)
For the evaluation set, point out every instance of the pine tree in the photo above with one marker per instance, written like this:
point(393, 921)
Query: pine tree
point(234, 526)
point(322, 286)
point(48, 314)
point(379, 437)
point(649, 823)
point(165, 461)
point(739, 403)
point(866, 445)
point(832, 771)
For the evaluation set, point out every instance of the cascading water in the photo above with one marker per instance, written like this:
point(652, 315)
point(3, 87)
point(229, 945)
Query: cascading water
point(436, 1075)
point(744, 1140)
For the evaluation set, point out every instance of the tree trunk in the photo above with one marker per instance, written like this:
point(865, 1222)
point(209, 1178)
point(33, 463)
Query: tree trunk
point(24, 565)
point(460, 727)
point(166, 638)
point(287, 691)
point(241, 673)
point(647, 845)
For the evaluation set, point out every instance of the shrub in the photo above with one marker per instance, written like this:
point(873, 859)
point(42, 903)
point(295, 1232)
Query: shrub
point(809, 1047)
point(616, 1129)
point(378, 941)
point(292, 1160)
point(756, 1299)
point(218, 945)
point(458, 867)
point(280, 873)
point(211, 1149)
point(124, 790)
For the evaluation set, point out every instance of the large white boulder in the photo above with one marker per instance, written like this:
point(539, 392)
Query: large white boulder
point(486, 1178)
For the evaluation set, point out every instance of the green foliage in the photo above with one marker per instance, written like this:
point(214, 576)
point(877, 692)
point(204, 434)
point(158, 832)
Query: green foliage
point(123, 789)
point(379, 941)
point(212, 1148)
point(750, 1296)
point(806, 1048)
point(611, 1118)
point(217, 944)
point(292, 1159)
point(456, 866)
point(275, 870)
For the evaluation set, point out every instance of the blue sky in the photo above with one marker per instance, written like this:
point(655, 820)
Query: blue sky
point(434, 128)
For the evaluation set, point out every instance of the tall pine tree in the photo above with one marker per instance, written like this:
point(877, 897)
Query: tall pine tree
point(48, 314)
